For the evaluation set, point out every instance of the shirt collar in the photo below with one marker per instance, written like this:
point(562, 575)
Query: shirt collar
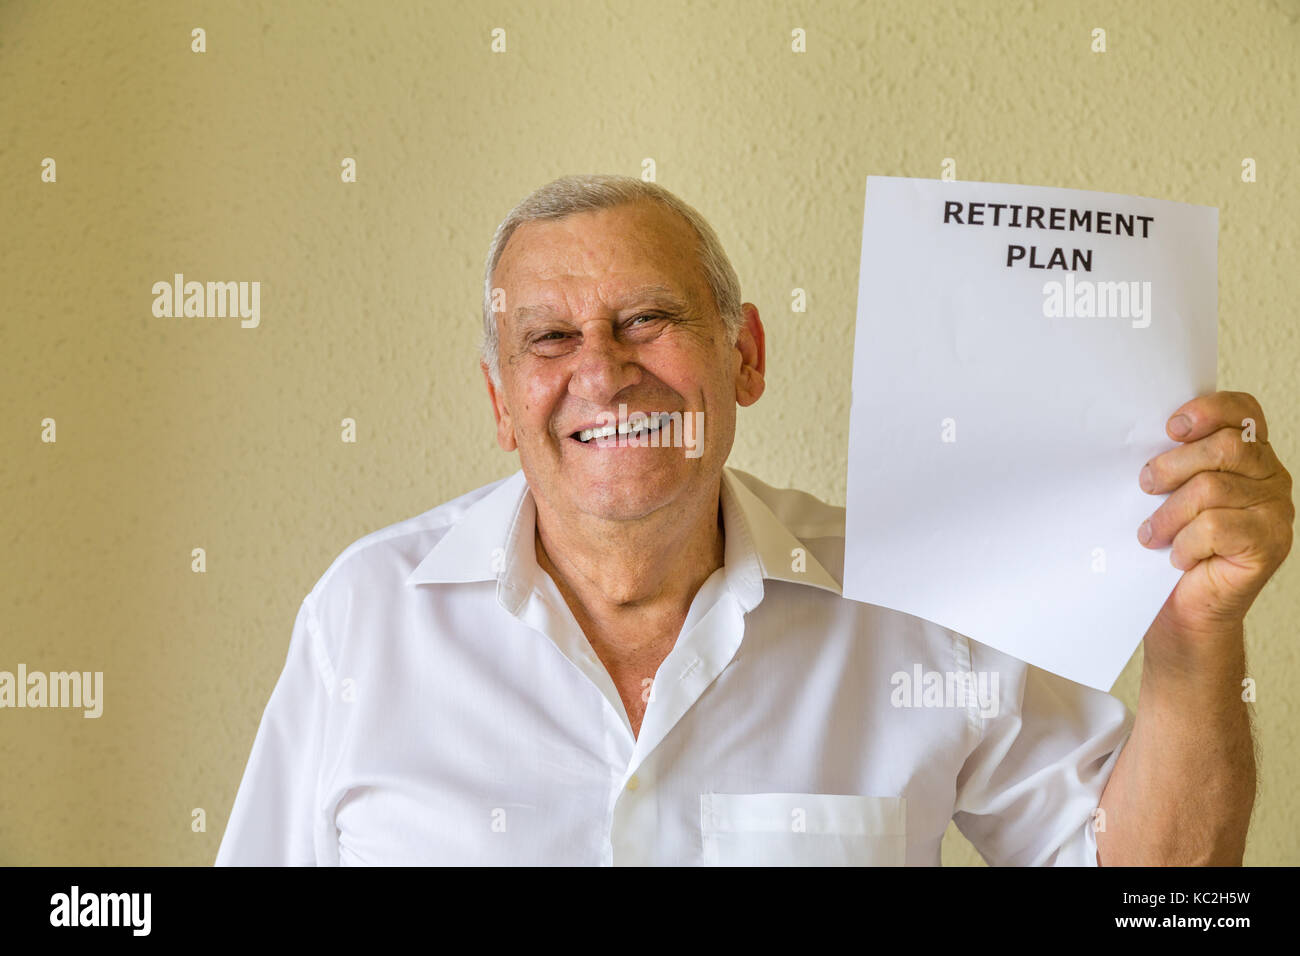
point(493, 540)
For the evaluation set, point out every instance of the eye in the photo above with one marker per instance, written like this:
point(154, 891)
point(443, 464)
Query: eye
point(549, 338)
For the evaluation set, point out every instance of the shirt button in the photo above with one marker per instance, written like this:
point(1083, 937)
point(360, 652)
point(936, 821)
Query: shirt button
point(633, 782)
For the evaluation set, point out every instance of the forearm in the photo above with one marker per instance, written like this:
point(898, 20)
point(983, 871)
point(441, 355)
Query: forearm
point(1182, 792)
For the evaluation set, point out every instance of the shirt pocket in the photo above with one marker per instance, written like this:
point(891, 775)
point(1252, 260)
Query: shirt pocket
point(802, 829)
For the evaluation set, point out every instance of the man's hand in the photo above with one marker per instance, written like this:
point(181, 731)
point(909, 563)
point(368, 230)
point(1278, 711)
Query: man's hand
point(1228, 517)
point(1183, 788)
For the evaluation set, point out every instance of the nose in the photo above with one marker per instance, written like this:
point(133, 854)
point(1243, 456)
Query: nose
point(604, 366)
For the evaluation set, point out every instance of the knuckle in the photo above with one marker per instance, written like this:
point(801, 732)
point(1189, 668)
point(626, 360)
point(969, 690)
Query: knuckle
point(1214, 523)
point(1279, 535)
point(1245, 399)
point(1226, 449)
point(1209, 487)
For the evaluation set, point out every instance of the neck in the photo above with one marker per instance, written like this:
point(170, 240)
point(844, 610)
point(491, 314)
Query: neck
point(616, 573)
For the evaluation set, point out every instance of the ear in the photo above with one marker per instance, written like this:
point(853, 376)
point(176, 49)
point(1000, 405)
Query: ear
point(750, 345)
point(505, 431)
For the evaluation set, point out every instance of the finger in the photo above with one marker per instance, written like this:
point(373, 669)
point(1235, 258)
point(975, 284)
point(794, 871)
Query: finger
point(1227, 532)
point(1208, 413)
point(1202, 492)
point(1222, 451)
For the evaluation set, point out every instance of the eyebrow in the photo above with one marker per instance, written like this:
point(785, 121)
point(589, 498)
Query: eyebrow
point(660, 295)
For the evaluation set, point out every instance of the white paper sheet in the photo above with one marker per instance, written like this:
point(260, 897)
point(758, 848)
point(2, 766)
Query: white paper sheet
point(994, 450)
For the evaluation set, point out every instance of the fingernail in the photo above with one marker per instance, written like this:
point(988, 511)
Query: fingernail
point(1144, 532)
point(1180, 425)
point(1146, 479)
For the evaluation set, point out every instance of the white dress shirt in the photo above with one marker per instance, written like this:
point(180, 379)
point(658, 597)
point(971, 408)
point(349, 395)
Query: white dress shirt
point(441, 705)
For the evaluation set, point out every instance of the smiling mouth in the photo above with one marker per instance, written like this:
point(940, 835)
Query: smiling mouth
point(643, 426)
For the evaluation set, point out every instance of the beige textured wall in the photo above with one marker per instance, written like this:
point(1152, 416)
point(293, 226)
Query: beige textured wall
point(183, 433)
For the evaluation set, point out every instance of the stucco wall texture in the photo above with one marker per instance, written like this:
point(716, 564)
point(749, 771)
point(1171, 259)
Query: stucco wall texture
point(175, 434)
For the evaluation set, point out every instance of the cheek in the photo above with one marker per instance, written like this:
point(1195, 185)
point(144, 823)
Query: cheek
point(538, 401)
point(685, 374)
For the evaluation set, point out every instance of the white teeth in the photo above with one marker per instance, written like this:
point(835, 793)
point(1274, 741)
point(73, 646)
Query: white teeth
point(651, 423)
point(647, 423)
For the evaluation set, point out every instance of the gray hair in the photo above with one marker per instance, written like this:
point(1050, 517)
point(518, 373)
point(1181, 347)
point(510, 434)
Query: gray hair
point(573, 194)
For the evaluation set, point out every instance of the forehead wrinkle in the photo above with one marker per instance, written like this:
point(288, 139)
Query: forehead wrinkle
point(656, 235)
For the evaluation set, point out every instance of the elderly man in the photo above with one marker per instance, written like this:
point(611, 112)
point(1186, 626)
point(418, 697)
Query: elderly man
point(630, 653)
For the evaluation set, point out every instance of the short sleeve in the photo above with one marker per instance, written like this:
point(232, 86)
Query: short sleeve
point(272, 822)
point(1028, 792)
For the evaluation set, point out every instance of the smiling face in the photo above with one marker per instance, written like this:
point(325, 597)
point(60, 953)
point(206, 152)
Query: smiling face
point(611, 308)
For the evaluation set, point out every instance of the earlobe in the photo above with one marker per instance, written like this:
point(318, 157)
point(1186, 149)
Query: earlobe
point(505, 433)
point(749, 386)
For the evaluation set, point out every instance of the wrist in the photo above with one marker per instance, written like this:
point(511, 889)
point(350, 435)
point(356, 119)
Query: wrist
point(1203, 655)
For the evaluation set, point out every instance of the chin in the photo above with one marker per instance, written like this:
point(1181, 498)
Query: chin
point(624, 504)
